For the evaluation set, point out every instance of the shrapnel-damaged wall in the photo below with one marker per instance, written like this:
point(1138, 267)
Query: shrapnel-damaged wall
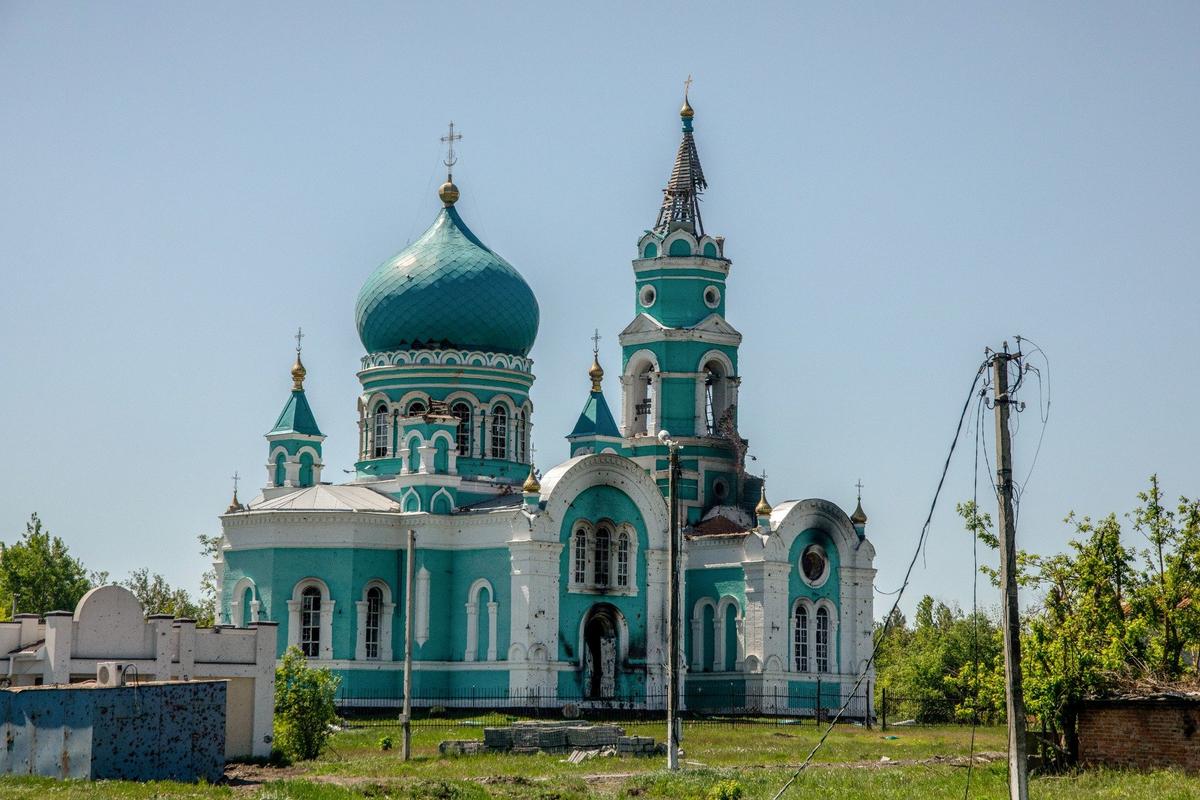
point(1141, 732)
point(152, 731)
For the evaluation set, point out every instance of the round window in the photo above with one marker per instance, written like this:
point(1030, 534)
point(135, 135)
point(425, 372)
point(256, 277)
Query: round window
point(720, 489)
point(814, 565)
point(712, 297)
point(647, 295)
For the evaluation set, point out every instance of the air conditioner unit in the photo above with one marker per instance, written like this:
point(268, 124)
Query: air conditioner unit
point(112, 673)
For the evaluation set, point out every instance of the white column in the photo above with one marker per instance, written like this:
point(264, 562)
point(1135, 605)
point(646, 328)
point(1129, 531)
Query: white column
point(426, 453)
point(472, 629)
point(493, 607)
point(421, 607)
point(326, 648)
point(293, 632)
point(360, 642)
point(264, 687)
point(59, 635)
point(698, 641)
point(385, 631)
point(656, 617)
point(255, 607)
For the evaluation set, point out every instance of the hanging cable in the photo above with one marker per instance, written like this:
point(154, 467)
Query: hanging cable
point(887, 624)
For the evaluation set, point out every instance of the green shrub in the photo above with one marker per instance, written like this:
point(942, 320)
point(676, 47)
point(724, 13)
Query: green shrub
point(725, 790)
point(304, 708)
point(385, 743)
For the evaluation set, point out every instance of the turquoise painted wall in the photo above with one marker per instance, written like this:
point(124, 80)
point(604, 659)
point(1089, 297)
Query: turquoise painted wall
point(713, 583)
point(830, 590)
point(595, 504)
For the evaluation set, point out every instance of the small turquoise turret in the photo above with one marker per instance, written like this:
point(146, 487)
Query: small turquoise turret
point(595, 431)
point(295, 440)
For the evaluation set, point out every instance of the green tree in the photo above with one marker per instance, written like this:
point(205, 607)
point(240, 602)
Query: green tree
point(304, 706)
point(38, 574)
point(210, 549)
point(159, 597)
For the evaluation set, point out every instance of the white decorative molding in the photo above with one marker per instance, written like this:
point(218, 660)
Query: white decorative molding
point(459, 358)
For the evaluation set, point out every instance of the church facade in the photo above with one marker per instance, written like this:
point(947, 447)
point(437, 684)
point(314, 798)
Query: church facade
point(551, 585)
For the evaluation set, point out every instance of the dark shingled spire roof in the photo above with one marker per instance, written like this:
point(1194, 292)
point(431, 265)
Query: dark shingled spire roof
point(681, 198)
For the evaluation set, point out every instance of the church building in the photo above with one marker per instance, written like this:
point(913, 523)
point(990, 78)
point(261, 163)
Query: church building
point(550, 585)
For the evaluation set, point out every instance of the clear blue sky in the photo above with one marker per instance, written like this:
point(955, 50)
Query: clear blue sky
point(899, 184)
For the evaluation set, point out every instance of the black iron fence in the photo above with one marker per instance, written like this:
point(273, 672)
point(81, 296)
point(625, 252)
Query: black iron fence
point(705, 705)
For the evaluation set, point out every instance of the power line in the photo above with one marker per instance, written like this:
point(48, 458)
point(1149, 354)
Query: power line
point(907, 576)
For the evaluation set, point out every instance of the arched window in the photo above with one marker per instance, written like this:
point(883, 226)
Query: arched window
point(716, 396)
point(306, 469)
point(623, 560)
point(581, 556)
point(643, 409)
point(381, 431)
point(374, 613)
point(280, 469)
point(520, 434)
point(415, 408)
point(499, 432)
point(310, 621)
point(462, 437)
point(600, 564)
point(822, 640)
point(801, 639)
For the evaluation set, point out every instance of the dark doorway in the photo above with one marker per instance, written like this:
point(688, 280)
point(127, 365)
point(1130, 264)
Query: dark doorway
point(600, 640)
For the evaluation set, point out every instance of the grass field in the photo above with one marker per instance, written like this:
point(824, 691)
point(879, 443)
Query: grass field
point(922, 763)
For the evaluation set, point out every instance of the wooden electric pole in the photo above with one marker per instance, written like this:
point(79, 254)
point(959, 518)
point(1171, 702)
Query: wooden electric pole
point(1018, 761)
point(406, 713)
point(672, 606)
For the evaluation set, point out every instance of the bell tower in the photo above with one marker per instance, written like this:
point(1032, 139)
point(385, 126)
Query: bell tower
point(680, 355)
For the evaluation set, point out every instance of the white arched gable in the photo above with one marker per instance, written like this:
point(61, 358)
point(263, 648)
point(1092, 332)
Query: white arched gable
point(312, 451)
point(463, 397)
point(638, 360)
point(408, 437)
point(721, 358)
point(478, 586)
point(441, 493)
point(443, 435)
point(374, 399)
point(404, 498)
point(676, 236)
point(382, 585)
point(562, 484)
point(791, 518)
point(505, 401)
point(275, 451)
point(304, 583)
point(235, 603)
point(472, 607)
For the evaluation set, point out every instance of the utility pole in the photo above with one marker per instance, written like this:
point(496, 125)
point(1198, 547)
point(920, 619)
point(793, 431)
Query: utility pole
point(1018, 761)
point(406, 713)
point(672, 603)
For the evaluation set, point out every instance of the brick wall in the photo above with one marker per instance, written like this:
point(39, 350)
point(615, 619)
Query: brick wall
point(1141, 733)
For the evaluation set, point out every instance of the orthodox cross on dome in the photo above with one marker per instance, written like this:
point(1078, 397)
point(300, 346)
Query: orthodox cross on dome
point(298, 337)
point(451, 159)
point(235, 480)
point(859, 486)
point(686, 86)
point(596, 337)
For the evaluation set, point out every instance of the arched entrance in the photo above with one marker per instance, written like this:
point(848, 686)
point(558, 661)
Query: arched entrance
point(601, 645)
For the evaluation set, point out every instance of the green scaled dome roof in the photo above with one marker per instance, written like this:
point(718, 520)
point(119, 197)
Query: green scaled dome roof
point(447, 290)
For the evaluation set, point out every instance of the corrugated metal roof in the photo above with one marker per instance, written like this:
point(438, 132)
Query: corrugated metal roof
point(329, 498)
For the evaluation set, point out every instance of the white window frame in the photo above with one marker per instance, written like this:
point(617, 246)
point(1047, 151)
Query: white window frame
point(387, 613)
point(470, 652)
point(296, 611)
point(584, 535)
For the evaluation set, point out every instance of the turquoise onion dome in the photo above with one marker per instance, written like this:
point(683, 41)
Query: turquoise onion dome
point(447, 290)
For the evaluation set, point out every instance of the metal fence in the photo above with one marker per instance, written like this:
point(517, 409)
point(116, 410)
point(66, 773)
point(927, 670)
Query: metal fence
point(702, 706)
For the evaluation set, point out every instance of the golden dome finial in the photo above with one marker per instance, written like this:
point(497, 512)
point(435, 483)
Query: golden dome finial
point(859, 517)
point(298, 373)
point(763, 509)
point(531, 485)
point(686, 111)
point(448, 193)
point(596, 373)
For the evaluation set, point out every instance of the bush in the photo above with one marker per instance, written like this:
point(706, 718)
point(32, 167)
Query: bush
point(385, 743)
point(304, 708)
point(725, 790)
